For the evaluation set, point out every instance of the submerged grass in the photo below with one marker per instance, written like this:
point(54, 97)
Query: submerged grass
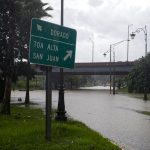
point(25, 130)
point(135, 95)
point(144, 112)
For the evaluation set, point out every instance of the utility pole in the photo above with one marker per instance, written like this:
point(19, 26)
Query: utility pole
point(128, 40)
point(110, 69)
point(144, 30)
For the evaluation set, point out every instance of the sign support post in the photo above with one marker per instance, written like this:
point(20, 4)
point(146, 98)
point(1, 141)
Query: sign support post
point(48, 102)
point(52, 45)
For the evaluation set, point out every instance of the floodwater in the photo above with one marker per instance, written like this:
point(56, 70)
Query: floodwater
point(117, 117)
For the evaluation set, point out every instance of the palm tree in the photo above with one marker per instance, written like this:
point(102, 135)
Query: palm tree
point(8, 12)
point(15, 18)
point(34, 9)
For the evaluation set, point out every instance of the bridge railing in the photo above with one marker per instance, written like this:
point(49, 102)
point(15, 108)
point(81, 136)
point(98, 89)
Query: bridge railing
point(121, 68)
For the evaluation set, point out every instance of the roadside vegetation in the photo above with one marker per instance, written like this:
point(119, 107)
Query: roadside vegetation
point(139, 77)
point(36, 83)
point(138, 80)
point(133, 94)
point(15, 24)
point(24, 129)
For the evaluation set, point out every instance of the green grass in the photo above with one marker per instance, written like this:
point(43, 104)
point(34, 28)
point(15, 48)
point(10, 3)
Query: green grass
point(25, 130)
point(135, 95)
point(144, 112)
point(35, 84)
point(139, 95)
point(123, 90)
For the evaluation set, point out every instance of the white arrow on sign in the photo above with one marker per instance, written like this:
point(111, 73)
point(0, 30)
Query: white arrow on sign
point(39, 28)
point(69, 54)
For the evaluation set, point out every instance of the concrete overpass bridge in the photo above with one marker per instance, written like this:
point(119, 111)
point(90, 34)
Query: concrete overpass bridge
point(98, 68)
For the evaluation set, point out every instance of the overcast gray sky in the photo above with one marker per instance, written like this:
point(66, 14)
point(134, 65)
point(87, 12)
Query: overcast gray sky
point(105, 22)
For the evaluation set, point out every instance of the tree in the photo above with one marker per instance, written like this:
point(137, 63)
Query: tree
point(8, 14)
point(2, 88)
point(15, 18)
point(34, 9)
point(139, 77)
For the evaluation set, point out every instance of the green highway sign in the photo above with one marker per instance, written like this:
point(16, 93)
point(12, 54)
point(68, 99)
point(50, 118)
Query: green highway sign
point(51, 44)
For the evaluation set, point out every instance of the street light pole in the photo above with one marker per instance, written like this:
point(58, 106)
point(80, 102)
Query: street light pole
point(110, 69)
point(145, 41)
point(110, 50)
point(128, 40)
point(114, 82)
point(144, 30)
point(145, 80)
point(145, 34)
point(92, 50)
point(61, 113)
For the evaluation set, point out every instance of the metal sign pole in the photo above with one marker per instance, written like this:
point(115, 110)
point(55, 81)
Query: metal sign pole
point(48, 102)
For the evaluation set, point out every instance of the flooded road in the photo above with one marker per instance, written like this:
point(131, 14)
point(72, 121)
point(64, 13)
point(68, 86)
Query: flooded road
point(117, 117)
